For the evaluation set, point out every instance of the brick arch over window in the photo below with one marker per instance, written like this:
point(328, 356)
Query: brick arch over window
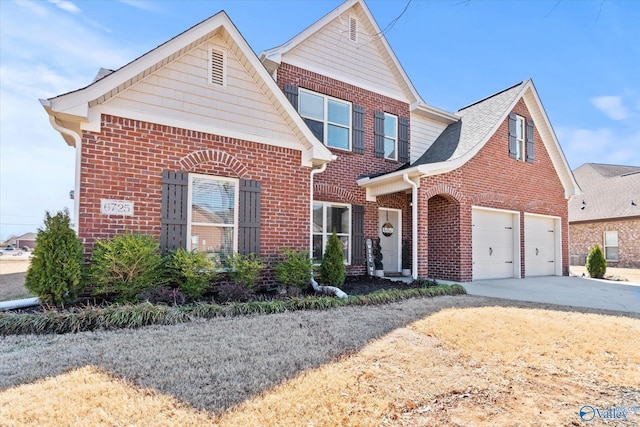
point(197, 158)
point(333, 193)
point(445, 191)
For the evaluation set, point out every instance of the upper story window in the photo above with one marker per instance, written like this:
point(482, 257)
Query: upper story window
point(611, 245)
point(390, 136)
point(213, 214)
point(519, 138)
point(328, 118)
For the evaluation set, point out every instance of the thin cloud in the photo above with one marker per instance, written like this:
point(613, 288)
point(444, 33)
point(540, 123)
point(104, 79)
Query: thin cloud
point(603, 144)
point(33, 7)
point(611, 106)
point(141, 4)
point(66, 5)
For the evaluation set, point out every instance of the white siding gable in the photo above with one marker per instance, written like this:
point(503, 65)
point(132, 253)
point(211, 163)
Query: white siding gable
point(364, 62)
point(424, 132)
point(182, 92)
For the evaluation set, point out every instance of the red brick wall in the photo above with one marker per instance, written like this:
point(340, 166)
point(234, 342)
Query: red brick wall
point(126, 159)
point(584, 235)
point(492, 179)
point(339, 182)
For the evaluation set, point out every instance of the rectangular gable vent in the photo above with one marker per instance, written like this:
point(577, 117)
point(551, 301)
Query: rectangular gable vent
point(216, 67)
point(353, 29)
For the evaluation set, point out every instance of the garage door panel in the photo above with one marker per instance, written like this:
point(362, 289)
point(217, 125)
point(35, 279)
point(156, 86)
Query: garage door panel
point(540, 246)
point(493, 244)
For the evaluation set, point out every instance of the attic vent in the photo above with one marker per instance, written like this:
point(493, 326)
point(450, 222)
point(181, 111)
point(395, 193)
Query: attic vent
point(353, 29)
point(216, 67)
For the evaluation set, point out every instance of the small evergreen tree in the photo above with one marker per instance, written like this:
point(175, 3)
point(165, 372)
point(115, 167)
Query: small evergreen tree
point(596, 264)
point(332, 268)
point(294, 269)
point(55, 274)
point(377, 255)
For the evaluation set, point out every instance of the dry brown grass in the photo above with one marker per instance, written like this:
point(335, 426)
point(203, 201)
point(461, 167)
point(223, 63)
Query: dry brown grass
point(468, 366)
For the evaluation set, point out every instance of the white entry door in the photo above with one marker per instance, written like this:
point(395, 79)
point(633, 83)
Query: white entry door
point(493, 239)
point(390, 233)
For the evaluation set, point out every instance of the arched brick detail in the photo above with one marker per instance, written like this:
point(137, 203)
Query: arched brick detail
point(539, 206)
point(197, 158)
point(333, 192)
point(395, 201)
point(490, 198)
point(444, 190)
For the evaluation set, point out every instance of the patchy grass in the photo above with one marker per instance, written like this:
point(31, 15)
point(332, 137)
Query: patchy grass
point(464, 366)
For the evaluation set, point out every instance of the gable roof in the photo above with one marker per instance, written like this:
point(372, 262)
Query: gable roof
point(462, 140)
point(71, 113)
point(608, 192)
point(272, 58)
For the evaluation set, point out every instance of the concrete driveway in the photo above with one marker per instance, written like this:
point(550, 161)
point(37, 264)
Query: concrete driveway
point(562, 290)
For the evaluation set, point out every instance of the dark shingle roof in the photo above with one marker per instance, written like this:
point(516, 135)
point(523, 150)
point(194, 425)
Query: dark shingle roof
point(476, 123)
point(608, 191)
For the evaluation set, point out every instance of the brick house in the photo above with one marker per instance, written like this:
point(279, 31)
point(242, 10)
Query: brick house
point(607, 213)
point(206, 146)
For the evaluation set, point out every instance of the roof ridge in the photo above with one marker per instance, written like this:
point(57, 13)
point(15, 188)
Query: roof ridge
point(491, 96)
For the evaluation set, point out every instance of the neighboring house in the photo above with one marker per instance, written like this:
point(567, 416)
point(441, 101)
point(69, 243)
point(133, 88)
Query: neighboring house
point(607, 213)
point(199, 137)
point(27, 240)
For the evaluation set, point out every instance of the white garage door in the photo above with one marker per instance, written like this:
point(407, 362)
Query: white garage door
point(493, 239)
point(539, 246)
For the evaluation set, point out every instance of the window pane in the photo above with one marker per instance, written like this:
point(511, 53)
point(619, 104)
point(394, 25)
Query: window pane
point(344, 240)
point(389, 148)
point(338, 137)
point(216, 240)
point(611, 238)
point(519, 128)
point(317, 218)
point(611, 253)
point(390, 126)
point(338, 218)
point(317, 128)
point(317, 248)
point(212, 201)
point(311, 106)
point(339, 113)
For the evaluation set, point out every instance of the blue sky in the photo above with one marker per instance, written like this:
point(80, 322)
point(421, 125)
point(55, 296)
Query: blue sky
point(583, 56)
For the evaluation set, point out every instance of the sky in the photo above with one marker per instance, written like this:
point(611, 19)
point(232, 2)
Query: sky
point(583, 57)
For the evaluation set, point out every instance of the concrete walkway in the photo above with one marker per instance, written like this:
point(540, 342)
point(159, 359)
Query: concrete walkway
point(562, 290)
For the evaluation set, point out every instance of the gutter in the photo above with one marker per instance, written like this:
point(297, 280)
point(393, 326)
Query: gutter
point(313, 172)
point(414, 225)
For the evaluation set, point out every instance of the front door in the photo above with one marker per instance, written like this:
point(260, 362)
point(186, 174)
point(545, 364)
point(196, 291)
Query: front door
point(390, 235)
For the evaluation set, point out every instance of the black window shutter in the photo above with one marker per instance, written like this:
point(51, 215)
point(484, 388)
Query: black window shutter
point(513, 143)
point(358, 129)
point(249, 217)
point(174, 211)
point(530, 152)
point(357, 235)
point(403, 140)
point(378, 133)
point(291, 92)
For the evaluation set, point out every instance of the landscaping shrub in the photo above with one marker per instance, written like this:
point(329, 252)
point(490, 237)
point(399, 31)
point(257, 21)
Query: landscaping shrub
point(55, 274)
point(191, 271)
point(244, 270)
point(294, 269)
point(377, 254)
point(596, 264)
point(332, 268)
point(125, 266)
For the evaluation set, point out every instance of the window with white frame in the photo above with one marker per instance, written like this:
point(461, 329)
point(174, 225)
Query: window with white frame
point(213, 214)
point(328, 217)
point(328, 118)
point(390, 136)
point(520, 123)
point(611, 245)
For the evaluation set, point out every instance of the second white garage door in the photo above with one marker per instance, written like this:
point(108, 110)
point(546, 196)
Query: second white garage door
point(540, 235)
point(494, 244)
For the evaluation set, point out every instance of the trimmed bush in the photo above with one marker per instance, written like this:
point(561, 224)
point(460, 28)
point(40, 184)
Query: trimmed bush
point(377, 254)
point(332, 268)
point(294, 269)
point(596, 264)
point(125, 266)
point(191, 271)
point(244, 270)
point(56, 271)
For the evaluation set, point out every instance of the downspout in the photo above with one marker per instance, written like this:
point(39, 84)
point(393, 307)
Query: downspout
point(313, 172)
point(414, 226)
point(76, 186)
